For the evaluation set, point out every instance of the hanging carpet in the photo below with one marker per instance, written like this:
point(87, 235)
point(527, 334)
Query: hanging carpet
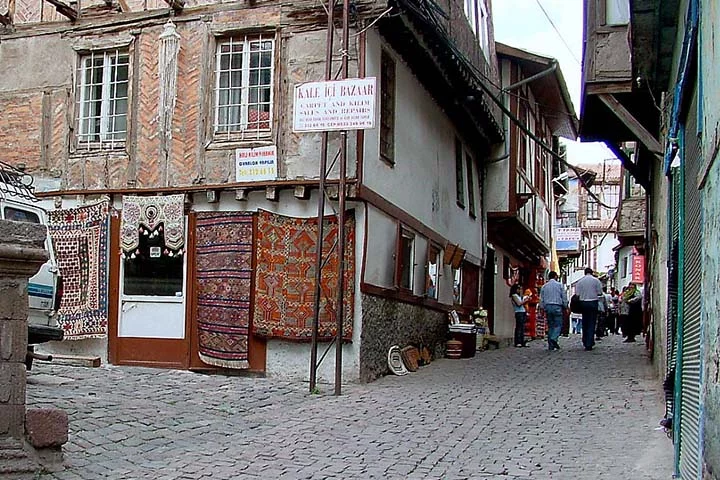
point(149, 216)
point(285, 278)
point(79, 237)
point(223, 256)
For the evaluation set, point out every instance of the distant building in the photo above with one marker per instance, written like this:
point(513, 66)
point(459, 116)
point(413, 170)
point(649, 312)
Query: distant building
point(590, 205)
point(519, 195)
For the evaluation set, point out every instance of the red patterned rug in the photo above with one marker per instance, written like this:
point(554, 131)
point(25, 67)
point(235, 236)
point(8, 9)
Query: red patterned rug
point(223, 254)
point(79, 237)
point(285, 278)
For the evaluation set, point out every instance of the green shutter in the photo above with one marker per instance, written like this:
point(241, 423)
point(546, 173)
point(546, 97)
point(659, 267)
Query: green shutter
point(691, 363)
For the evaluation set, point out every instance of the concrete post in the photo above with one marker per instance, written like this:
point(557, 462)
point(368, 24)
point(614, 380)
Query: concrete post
point(22, 252)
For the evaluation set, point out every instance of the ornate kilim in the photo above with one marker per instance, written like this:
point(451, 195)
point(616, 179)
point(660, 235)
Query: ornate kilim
point(223, 256)
point(149, 215)
point(79, 237)
point(285, 278)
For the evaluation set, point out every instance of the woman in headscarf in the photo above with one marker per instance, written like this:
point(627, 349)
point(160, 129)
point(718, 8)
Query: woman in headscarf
point(633, 320)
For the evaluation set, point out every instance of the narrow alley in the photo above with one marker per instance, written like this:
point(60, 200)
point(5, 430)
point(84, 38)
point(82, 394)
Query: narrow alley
point(510, 413)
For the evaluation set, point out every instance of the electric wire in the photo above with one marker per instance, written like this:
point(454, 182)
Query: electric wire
point(558, 32)
point(461, 57)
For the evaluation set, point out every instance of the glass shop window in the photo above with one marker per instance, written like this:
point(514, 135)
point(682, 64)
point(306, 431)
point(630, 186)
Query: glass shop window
point(153, 269)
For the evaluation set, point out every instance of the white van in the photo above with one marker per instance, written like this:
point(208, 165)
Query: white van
point(44, 287)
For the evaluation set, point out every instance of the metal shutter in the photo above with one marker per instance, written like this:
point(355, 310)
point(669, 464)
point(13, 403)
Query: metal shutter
point(691, 291)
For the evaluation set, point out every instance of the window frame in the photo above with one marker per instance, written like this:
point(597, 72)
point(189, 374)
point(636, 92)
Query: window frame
point(218, 39)
point(457, 272)
point(483, 32)
point(402, 263)
point(79, 82)
point(437, 249)
point(470, 184)
point(459, 179)
point(592, 208)
point(388, 92)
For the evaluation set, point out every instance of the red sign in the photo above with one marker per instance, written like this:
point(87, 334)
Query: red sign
point(638, 268)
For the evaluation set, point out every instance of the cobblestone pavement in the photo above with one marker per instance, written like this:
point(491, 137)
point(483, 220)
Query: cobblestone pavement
point(510, 413)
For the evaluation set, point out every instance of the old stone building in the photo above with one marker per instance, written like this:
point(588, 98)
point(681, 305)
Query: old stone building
point(184, 206)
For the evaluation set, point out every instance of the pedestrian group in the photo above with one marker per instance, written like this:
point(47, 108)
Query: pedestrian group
point(592, 311)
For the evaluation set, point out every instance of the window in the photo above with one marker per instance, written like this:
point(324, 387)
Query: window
point(593, 209)
point(459, 182)
point(482, 32)
point(387, 108)
point(406, 259)
point(457, 286)
point(17, 215)
point(470, 14)
point(433, 272)
point(244, 85)
point(152, 272)
point(470, 186)
point(617, 12)
point(103, 100)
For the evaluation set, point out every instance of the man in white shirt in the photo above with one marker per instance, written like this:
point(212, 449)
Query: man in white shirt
point(589, 289)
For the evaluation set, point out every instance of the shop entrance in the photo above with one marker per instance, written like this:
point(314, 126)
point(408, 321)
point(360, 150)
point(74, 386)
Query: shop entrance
point(151, 319)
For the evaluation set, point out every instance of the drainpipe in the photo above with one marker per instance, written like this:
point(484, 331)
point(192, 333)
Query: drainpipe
point(515, 86)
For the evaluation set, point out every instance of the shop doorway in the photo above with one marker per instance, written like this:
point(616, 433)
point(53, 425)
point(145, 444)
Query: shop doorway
point(152, 324)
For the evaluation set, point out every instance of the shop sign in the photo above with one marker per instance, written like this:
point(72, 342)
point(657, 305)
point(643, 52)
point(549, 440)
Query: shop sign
point(567, 238)
point(638, 269)
point(255, 164)
point(334, 105)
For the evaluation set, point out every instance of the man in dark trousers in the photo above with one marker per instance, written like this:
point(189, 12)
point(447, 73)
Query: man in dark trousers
point(553, 300)
point(589, 290)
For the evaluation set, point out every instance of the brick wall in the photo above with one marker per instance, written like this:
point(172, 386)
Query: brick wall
point(20, 129)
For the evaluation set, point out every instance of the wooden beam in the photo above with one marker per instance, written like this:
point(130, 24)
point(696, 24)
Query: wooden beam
point(272, 194)
point(302, 192)
point(64, 9)
point(241, 194)
point(643, 136)
point(176, 5)
point(633, 169)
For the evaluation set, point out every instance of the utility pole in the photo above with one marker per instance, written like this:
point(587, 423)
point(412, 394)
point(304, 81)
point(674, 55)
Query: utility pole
point(340, 246)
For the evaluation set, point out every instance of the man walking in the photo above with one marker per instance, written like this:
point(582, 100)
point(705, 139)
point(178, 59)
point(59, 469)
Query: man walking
point(553, 300)
point(589, 289)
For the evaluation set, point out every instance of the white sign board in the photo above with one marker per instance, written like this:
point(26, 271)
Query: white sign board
point(254, 164)
point(337, 105)
point(567, 235)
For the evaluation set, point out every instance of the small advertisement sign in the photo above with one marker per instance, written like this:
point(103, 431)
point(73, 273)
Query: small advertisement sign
point(567, 239)
point(638, 269)
point(334, 105)
point(255, 164)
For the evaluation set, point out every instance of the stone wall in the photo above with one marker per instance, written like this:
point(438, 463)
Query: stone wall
point(388, 322)
point(711, 325)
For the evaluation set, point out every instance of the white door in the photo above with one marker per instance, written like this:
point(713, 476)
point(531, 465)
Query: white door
point(152, 291)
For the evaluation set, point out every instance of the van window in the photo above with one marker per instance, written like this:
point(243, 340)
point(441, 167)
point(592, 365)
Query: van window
point(18, 215)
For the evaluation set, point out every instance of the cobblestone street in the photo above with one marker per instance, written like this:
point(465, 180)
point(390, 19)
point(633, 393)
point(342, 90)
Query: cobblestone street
point(509, 413)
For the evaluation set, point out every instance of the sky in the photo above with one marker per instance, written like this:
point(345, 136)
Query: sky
point(522, 24)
